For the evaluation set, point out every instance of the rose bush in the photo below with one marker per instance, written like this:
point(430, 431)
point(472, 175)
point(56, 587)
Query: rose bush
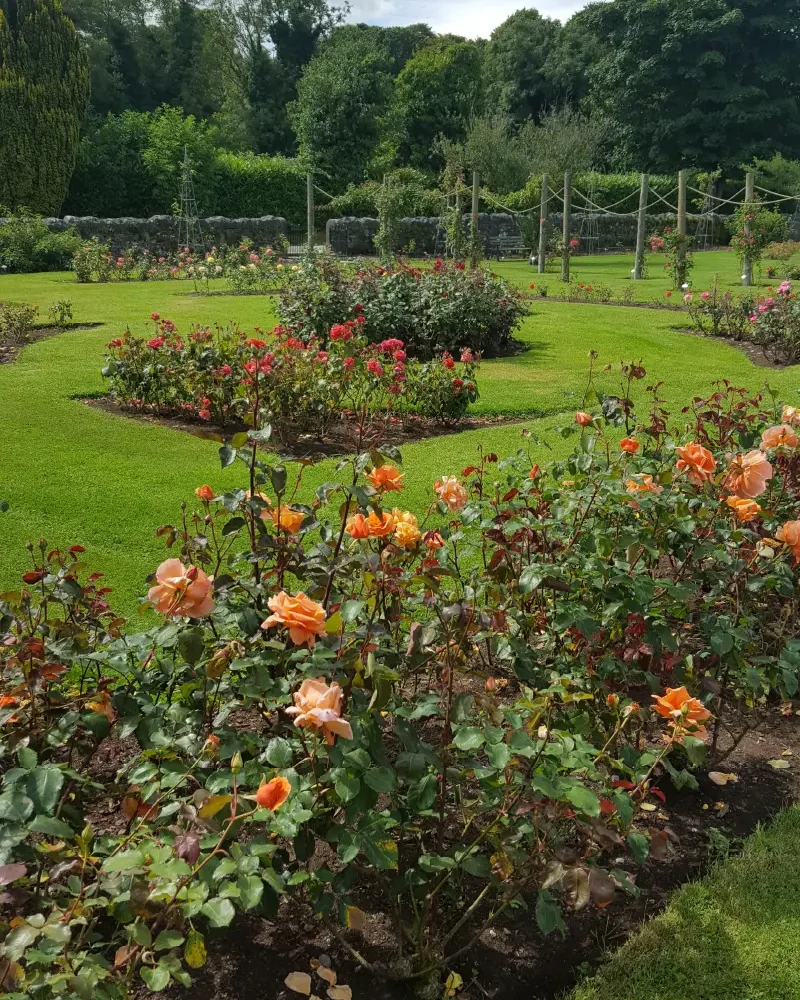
point(351, 709)
point(217, 375)
point(444, 307)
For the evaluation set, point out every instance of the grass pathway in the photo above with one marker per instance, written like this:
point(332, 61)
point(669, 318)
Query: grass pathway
point(74, 474)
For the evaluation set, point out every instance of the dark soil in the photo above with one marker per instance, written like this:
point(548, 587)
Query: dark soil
point(9, 352)
point(755, 353)
point(513, 961)
point(341, 439)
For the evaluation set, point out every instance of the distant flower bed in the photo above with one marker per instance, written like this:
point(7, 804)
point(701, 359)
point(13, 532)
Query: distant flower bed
point(243, 268)
point(217, 375)
point(431, 309)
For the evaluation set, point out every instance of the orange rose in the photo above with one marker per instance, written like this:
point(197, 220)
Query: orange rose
point(583, 418)
point(643, 484)
point(380, 527)
point(387, 478)
point(304, 618)
point(290, 520)
point(407, 535)
point(534, 472)
point(451, 492)
point(748, 474)
point(434, 541)
point(318, 705)
point(745, 510)
point(357, 526)
point(697, 461)
point(782, 436)
point(181, 591)
point(684, 712)
point(629, 445)
point(205, 493)
point(272, 794)
point(791, 415)
point(789, 534)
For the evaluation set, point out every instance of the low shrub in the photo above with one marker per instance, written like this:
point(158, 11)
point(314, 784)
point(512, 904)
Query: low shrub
point(431, 309)
point(216, 376)
point(17, 320)
point(721, 313)
point(26, 244)
point(432, 719)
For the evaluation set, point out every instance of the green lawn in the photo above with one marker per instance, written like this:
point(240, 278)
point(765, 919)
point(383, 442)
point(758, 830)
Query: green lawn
point(614, 270)
point(74, 474)
point(733, 936)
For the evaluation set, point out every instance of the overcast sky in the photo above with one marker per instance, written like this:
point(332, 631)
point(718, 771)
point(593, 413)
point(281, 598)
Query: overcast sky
point(473, 18)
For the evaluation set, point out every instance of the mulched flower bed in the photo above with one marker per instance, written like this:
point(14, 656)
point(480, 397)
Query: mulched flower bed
point(9, 352)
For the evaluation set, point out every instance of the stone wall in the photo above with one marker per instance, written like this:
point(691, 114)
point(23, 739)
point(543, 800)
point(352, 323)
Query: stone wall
point(356, 237)
point(159, 233)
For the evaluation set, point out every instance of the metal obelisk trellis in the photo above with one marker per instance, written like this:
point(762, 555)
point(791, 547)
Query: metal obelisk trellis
point(590, 230)
point(189, 232)
point(704, 235)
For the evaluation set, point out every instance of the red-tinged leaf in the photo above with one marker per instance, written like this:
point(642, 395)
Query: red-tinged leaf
point(468, 471)
point(629, 785)
point(658, 794)
point(33, 577)
point(607, 807)
point(510, 495)
point(10, 873)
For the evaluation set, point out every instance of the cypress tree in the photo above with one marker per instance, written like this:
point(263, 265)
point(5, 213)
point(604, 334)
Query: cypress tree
point(44, 92)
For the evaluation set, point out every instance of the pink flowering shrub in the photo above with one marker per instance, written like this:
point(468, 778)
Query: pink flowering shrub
point(444, 307)
point(448, 702)
point(771, 321)
point(303, 385)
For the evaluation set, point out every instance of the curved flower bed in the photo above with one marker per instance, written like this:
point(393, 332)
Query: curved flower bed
point(446, 714)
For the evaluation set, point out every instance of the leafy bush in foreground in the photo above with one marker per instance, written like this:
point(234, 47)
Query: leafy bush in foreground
point(350, 710)
point(431, 309)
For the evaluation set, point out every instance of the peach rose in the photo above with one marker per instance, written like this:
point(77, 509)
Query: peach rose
point(451, 492)
point(304, 618)
point(434, 541)
point(745, 510)
point(181, 591)
point(789, 534)
point(272, 794)
point(205, 493)
point(290, 520)
point(387, 478)
point(406, 535)
point(791, 415)
point(318, 705)
point(748, 474)
point(263, 512)
point(685, 712)
point(643, 484)
point(697, 462)
point(357, 526)
point(779, 437)
point(380, 527)
point(583, 418)
point(629, 445)
point(404, 517)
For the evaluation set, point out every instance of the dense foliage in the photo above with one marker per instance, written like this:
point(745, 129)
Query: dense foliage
point(431, 309)
point(44, 90)
point(26, 244)
point(345, 707)
point(302, 386)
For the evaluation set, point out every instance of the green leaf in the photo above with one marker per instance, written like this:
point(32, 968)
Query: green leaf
point(498, 754)
point(468, 738)
point(155, 979)
point(191, 645)
point(279, 752)
point(381, 854)
point(227, 456)
point(168, 939)
point(348, 847)
point(15, 806)
point(422, 795)
point(27, 758)
point(220, 912)
point(251, 889)
point(347, 787)
point(584, 800)
point(639, 845)
point(239, 440)
point(350, 610)
point(51, 827)
point(233, 527)
point(124, 861)
point(477, 864)
point(722, 643)
point(381, 779)
point(548, 914)
point(530, 578)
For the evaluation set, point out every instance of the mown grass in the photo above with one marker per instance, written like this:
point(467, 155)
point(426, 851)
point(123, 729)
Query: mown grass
point(733, 936)
point(74, 474)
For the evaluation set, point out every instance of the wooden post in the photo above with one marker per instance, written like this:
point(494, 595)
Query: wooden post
point(543, 225)
point(567, 230)
point(459, 233)
point(476, 194)
point(310, 209)
point(682, 179)
point(749, 192)
point(641, 229)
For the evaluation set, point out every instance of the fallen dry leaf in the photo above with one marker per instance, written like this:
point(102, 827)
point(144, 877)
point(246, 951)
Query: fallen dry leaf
point(300, 982)
point(722, 778)
point(648, 807)
point(787, 753)
point(327, 974)
point(779, 765)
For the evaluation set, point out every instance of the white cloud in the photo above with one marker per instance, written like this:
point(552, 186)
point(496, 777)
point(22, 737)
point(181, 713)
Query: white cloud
point(473, 18)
